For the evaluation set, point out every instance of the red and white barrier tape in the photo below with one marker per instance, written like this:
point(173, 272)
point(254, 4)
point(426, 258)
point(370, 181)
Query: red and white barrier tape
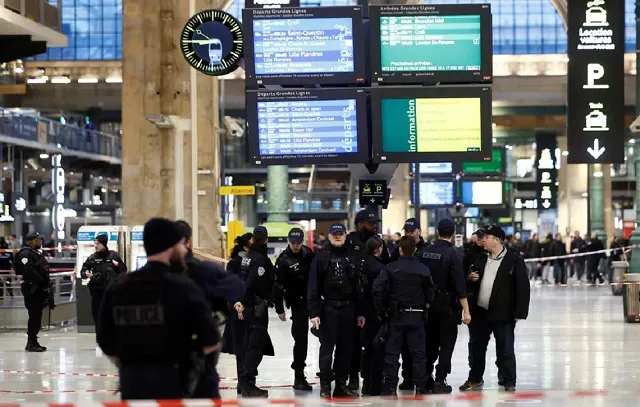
point(45, 373)
point(210, 256)
point(51, 270)
point(44, 249)
point(573, 255)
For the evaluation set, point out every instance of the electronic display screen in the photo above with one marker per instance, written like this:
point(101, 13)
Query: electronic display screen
point(434, 43)
point(431, 124)
point(296, 46)
point(437, 193)
point(309, 126)
point(436, 168)
point(482, 192)
point(495, 166)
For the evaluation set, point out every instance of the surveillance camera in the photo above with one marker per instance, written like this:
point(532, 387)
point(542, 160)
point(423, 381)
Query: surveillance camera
point(234, 129)
point(635, 126)
point(160, 121)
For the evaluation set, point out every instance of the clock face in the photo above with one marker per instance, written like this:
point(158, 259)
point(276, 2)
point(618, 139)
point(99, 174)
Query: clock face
point(211, 42)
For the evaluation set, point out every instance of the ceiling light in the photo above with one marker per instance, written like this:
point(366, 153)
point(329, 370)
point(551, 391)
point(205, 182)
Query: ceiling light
point(44, 156)
point(88, 80)
point(565, 153)
point(632, 141)
point(495, 139)
point(60, 80)
point(598, 174)
point(103, 190)
point(295, 181)
point(113, 80)
point(41, 79)
point(585, 194)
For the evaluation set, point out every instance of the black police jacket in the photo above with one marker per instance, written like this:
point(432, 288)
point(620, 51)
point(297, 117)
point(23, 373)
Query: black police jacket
point(152, 317)
point(292, 273)
point(593, 260)
point(408, 284)
point(446, 271)
point(356, 241)
point(420, 246)
point(333, 276)
point(33, 267)
point(511, 292)
point(260, 276)
point(372, 269)
point(217, 284)
point(233, 266)
point(104, 271)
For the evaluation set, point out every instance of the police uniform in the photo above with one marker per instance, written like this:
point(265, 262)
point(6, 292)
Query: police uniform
point(105, 265)
point(292, 270)
point(334, 296)
point(410, 288)
point(260, 279)
point(444, 315)
point(153, 322)
point(32, 265)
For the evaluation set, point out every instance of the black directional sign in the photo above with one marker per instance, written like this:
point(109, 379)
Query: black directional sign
point(546, 171)
point(595, 115)
point(373, 192)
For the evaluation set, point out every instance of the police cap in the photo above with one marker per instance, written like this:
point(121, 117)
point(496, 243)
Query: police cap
point(337, 228)
point(480, 232)
point(296, 235)
point(495, 230)
point(366, 216)
point(32, 236)
point(411, 224)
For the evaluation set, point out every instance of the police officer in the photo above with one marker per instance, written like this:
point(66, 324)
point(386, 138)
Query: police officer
point(253, 308)
point(219, 287)
point(451, 291)
point(149, 319)
point(411, 228)
point(334, 297)
point(34, 269)
point(292, 270)
point(408, 284)
point(101, 268)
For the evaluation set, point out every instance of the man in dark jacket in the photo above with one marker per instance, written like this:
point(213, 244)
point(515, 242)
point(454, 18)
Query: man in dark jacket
point(558, 248)
point(578, 246)
point(593, 260)
point(533, 250)
point(499, 294)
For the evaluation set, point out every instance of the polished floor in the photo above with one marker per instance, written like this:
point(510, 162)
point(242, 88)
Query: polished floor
point(574, 348)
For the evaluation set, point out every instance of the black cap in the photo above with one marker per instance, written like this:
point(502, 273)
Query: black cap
point(366, 216)
point(160, 234)
point(32, 236)
point(296, 235)
point(103, 239)
point(446, 225)
point(480, 232)
point(411, 224)
point(261, 232)
point(337, 228)
point(495, 230)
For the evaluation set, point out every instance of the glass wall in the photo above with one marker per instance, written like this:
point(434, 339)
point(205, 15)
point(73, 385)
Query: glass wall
point(94, 31)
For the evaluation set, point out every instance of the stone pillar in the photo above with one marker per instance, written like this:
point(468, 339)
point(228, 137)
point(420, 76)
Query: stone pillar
point(596, 201)
point(157, 81)
point(278, 193)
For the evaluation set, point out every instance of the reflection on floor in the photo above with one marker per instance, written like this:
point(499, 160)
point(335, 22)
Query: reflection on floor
point(573, 346)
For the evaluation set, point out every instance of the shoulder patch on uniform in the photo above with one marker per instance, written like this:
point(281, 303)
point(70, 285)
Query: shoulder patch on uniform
point(261, 271)
point(25, 260)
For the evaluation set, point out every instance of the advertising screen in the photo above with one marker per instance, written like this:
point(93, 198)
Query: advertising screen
point(482, 192)
point(297, 46)
point(436, 168)
point(431, 124)
point(307, 126)
point(437, 193)
point(434, 43)
point(494, 166)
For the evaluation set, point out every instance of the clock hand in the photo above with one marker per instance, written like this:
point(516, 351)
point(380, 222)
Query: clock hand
point(200, 42)
point(200, 32)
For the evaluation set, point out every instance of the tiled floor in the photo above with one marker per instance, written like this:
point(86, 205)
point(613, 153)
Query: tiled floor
point(574, 340)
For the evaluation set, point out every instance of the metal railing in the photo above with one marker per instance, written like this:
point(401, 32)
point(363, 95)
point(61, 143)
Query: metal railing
point(45, 12)
point(55, 134)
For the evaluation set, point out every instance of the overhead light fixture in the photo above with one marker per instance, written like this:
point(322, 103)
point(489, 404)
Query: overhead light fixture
point(40, 79)
point(60, 80)
point(295, 181)
point(88, 80)
point(495, 139)
point(632, 141)
point(113, 80)
point(585, 194)
point(565, 153)
point(44, 156)
point(598, 174)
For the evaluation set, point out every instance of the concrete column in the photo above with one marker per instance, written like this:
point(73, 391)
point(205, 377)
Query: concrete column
point(278, 193)
point(157, 80)
point(596, 201)
point(87, 190)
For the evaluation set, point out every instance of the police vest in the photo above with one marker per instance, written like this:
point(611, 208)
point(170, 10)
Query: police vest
point(104, 271)
point(245, 267)
point(339, 283)
point(440, 267)
point(35, 260)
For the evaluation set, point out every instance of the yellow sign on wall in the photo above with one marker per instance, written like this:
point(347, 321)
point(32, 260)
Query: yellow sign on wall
point(238, 190)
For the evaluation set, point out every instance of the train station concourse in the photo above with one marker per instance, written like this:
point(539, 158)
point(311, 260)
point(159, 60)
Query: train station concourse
point(446, 189)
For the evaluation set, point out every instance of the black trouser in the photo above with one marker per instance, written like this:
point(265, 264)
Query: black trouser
point(238, 329)
point(579, 269)
point(407, 364)
point(255, 338)
point(373, 356)
point(559, 275)
point(151, 382)
point(207, 387)
point(34, 299)
point(300, 334)
point(96, 303)
point(337, 327)
point(442, 329)
point(356, 352)
point(593, 273)
point(480, 331)
point(407, 328)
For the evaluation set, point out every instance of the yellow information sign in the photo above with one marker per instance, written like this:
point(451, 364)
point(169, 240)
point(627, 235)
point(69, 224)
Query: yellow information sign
point(238, 190)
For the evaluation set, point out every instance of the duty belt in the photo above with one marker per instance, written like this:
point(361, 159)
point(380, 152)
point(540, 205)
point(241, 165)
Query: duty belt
point(413, 310)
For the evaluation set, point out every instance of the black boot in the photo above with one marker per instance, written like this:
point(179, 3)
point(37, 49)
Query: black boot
point(325, 389)
point(429, 384)
point(342, 390)
point(251, 390)
point(354, 382)
point(407, 385)
point(389, 390)
point(300, 383)
point(34, 346)
point(366, 388)
point(422, 390)
point(441, 387)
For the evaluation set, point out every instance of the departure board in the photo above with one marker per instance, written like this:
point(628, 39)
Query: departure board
point(301, 46)
point(437, 193)
point(431, 44)
point(318, 125)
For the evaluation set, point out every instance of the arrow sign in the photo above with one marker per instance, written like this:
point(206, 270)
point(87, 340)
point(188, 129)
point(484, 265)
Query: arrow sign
point(596, 151)
point(546, 204)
